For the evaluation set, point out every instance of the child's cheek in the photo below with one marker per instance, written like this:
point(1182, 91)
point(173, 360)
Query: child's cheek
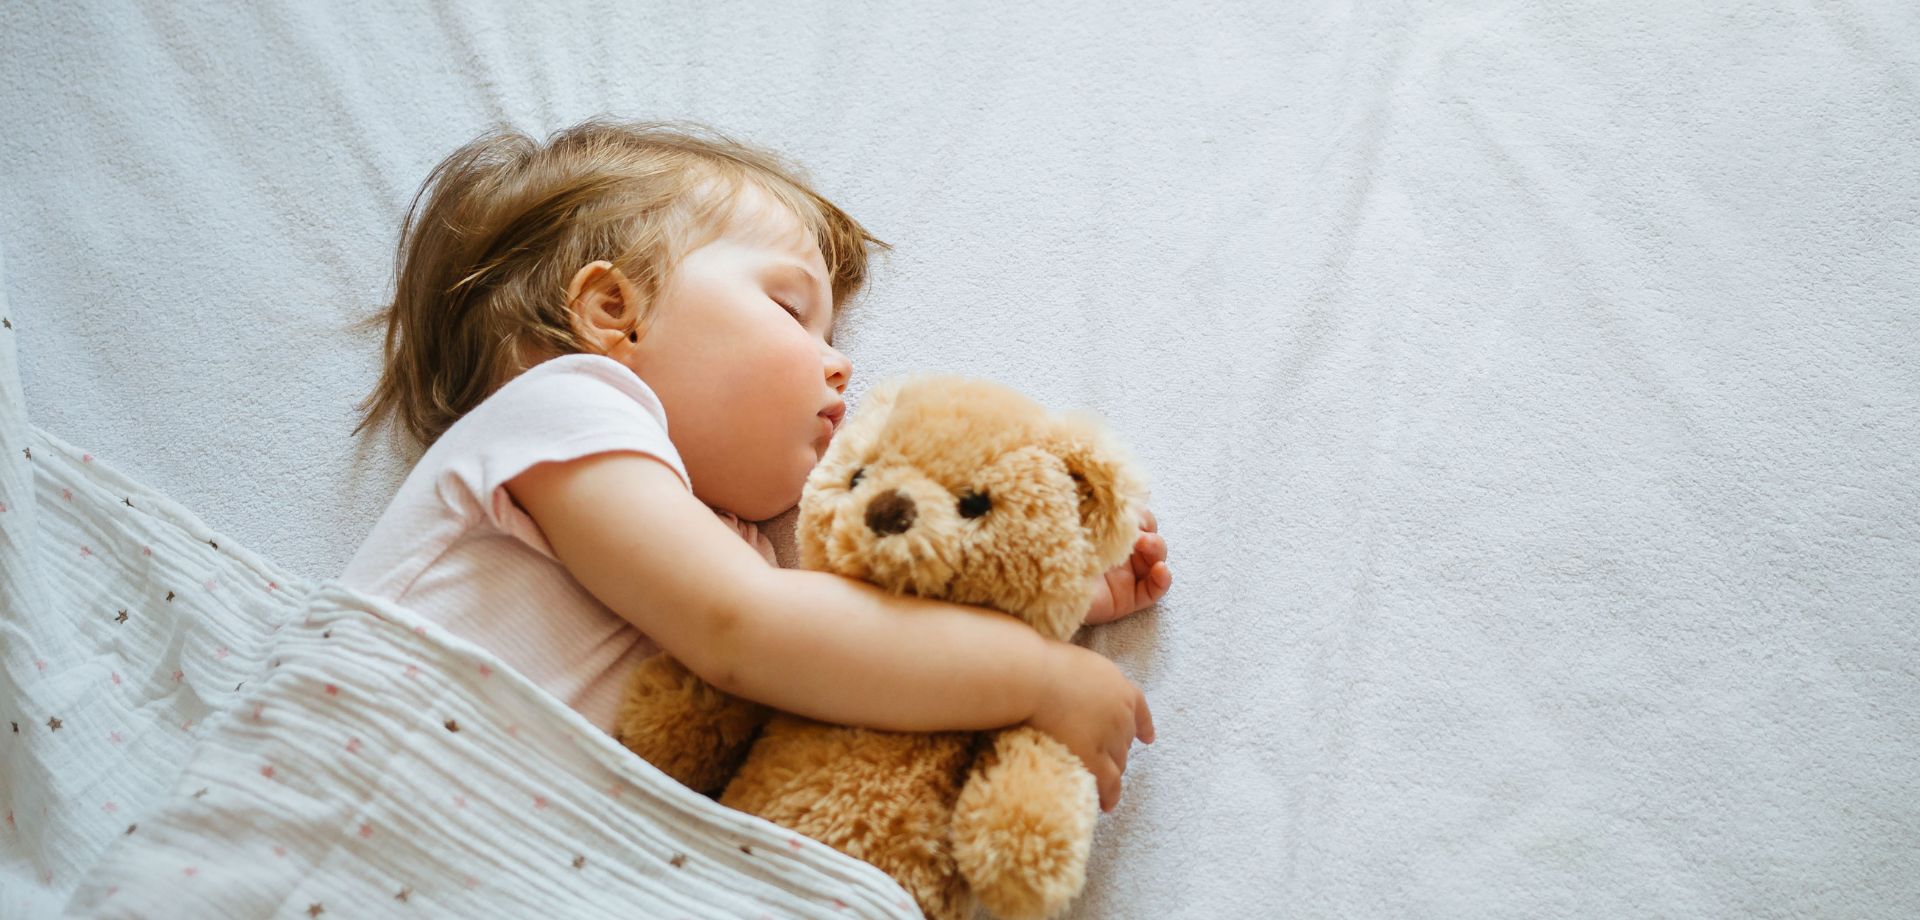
point(804, 357)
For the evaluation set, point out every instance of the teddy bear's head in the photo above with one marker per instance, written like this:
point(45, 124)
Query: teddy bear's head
point(964, 490)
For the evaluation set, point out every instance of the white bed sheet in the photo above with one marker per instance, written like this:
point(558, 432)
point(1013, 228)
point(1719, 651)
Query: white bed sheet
point(1529, 390)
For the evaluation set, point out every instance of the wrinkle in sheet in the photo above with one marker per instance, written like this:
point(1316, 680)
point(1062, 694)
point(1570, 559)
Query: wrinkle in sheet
point(1538, 368)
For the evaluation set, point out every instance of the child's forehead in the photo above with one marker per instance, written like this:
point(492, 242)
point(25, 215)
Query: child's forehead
point(757, 219)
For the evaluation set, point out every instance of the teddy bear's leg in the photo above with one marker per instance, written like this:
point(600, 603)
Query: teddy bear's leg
point(882, 797)
point(1023, 825)
point(682, 725)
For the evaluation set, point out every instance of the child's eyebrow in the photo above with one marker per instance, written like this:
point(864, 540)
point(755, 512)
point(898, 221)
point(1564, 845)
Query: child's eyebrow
point(791, 267)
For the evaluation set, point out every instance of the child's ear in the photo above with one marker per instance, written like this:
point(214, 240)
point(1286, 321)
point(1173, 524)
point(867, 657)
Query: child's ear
point(603, 305)
point(1112, 494)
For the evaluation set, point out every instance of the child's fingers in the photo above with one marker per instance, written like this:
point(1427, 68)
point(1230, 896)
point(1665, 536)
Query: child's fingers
point(1148, 585)
point(1147, 550)
point(1147, 523)
point(1159, 580)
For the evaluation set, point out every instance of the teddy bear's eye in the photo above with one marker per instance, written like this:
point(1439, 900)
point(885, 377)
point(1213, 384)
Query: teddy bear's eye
point(856, 477)
point(974, 504)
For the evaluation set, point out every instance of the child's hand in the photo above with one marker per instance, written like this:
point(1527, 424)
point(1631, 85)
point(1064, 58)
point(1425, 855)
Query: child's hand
point(1095, 711)
point(1135, 583)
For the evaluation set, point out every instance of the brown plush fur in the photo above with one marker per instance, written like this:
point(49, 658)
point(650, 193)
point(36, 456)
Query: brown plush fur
point(1005, 817)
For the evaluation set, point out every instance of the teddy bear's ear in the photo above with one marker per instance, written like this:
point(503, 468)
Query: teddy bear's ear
point(879, 398)
point(1112, 494)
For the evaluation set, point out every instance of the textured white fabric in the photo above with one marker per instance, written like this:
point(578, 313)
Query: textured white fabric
point(192, 732)
point(1527, 389)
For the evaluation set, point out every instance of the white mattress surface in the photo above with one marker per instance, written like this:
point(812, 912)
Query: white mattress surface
point(1529, 391)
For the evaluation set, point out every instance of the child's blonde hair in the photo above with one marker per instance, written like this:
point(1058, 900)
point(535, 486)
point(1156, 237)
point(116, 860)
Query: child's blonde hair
point(481, 271)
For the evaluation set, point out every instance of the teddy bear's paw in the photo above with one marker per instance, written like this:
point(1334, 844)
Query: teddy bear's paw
point(683, 726)
point(1023, 826)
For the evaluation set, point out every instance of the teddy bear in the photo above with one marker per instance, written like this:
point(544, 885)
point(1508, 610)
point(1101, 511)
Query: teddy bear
point(952, 488)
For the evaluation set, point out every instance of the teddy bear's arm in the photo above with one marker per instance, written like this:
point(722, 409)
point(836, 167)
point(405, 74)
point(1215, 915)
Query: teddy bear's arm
point(684, 726)
point(1023, 825)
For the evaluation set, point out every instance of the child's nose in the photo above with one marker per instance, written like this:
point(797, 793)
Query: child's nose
point(839, 369)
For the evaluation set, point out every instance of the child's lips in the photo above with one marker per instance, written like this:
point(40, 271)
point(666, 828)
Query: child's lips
point(833, 415)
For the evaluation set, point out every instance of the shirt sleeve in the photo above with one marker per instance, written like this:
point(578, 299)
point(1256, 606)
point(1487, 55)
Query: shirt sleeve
point(566, 408)
point(751, 533)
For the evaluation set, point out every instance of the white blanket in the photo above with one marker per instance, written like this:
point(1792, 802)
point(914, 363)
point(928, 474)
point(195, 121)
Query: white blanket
point(192, 732)
point(1528, 389)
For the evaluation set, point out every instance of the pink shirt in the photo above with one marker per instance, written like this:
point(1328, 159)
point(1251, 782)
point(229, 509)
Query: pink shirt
point(455, 547)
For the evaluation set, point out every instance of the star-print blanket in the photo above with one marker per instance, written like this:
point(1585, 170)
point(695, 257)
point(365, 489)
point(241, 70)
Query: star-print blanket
point(188, 731)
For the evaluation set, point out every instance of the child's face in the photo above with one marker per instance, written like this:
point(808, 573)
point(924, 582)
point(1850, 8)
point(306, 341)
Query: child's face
point(744, 383)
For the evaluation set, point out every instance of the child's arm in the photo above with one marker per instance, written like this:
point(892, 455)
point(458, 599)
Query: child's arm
point(813, 643)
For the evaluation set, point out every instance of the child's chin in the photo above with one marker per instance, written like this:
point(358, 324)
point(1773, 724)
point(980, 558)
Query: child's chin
point(784, 499)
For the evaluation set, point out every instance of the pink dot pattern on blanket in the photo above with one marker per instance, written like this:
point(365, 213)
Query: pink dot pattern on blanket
point(353, 745)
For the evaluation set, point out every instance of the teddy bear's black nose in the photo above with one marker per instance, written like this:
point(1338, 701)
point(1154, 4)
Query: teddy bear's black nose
point(890, 512)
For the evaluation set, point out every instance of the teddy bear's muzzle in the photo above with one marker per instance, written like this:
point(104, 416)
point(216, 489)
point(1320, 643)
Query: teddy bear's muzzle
point(890, 512)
